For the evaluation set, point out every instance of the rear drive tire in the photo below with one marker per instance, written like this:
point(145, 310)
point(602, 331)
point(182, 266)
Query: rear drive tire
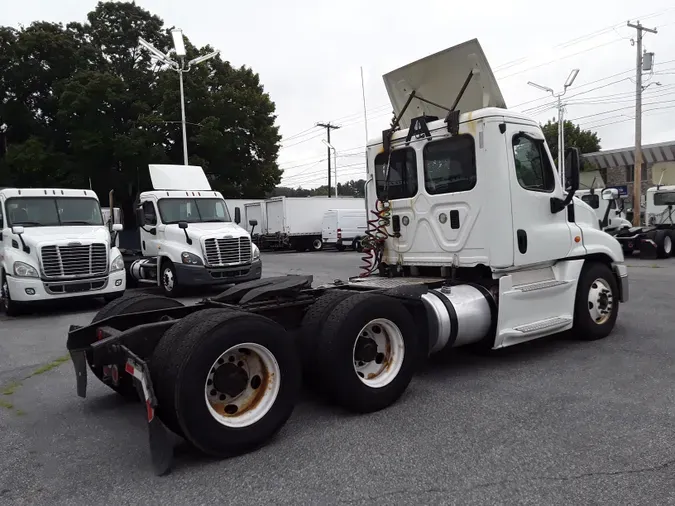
point(261, 378)
point(317, 244)
point(368, 352)
point(596, 305)
point(664, 244)
point(311, 328)
point(128, 303)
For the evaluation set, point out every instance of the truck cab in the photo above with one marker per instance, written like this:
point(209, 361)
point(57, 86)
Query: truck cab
point(607, 206)
point(54, 244)
point(187, 235)
point(467, 189)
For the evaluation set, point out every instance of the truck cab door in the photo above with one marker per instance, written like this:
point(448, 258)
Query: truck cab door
point(149, 232)
point(539, 234)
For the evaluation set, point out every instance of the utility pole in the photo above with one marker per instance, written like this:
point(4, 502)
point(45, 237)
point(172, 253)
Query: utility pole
point(328, 126)
point(561, 125)
point(637, 168)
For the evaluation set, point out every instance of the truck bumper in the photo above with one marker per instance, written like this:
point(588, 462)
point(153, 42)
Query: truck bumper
point(36, 290)
point(191, 275)
point(621, 273)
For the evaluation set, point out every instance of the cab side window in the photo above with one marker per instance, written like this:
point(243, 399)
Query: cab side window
point(150, 213)
point(533, 166)
point(450, 165)
point(592, 200)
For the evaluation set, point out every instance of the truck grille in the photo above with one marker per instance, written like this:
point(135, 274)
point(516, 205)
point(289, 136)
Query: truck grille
point(74, 261)
point(227, 251)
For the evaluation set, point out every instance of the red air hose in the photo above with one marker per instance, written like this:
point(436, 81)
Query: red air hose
point(376, 235)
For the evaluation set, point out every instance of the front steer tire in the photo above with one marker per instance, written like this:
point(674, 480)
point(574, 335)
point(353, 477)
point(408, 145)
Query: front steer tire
point(596, 278)
point(336, 352)
point(128, 303)
point(182, 364)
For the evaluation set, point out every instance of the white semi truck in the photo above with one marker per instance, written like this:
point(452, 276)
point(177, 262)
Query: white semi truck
point(656, 238)
point(608, 207)
point(472, 241)
point(54, 244)
point(187, 236)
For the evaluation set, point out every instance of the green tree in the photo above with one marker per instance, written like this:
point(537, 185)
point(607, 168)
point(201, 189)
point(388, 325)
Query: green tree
point(586, 140)
point(83, 105)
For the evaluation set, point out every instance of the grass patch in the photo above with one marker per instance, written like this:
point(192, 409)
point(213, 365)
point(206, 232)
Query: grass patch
point(11, 388)
point(49, 366)
point(6, 405)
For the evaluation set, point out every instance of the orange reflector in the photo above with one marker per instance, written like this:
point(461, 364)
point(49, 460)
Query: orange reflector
point(577, 239)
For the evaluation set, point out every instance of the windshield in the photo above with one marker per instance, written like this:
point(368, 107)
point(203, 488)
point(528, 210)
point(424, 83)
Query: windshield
point(193, 210)
point(53, 212)
point(664, 199)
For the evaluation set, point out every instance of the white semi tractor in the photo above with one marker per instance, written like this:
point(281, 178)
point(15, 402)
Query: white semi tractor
point(187, 236)
point(473, 242)
point(54, 244)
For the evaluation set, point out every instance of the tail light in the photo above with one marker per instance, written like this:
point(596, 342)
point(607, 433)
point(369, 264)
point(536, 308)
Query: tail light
point(339, 233)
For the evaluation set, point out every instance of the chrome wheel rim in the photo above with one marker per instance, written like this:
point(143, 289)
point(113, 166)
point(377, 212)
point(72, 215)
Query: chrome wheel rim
point(600, 301)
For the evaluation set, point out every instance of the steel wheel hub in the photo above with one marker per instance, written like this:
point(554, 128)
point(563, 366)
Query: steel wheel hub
point(600, 301)
point(168, 279)
point(667, 245)
point(378, 353)
point(242, 385)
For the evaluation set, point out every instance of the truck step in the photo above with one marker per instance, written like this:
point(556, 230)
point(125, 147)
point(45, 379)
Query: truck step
point(540, 285)
point(529, 331)
point(548, 324)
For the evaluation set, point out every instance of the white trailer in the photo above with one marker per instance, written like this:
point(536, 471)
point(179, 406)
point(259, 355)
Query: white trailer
point(344, 228)
point(255, 218)
point(478, 244)
point(296, 222)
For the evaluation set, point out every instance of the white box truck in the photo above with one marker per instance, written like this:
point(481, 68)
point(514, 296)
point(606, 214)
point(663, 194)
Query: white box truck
point(54, 244)
point(295, 222)
point(344, 228)
point(256, 220)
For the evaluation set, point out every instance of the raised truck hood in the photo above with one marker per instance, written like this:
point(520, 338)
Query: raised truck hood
point(440, 78)
point(178, 177)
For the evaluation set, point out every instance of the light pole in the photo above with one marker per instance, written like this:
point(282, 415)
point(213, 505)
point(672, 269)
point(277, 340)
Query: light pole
point(561, 127)
point(331, 147)
point(179, 51)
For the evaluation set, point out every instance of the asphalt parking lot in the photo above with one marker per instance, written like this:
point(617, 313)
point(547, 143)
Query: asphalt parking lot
point(550, 422)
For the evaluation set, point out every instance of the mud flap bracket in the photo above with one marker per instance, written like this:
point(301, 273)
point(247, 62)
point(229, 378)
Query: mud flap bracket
point(79, 359)
point(161, 447)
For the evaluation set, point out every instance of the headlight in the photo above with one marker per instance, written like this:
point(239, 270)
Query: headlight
point(117, 264)
point(190, 259)
point(23, 270)
point(256, 252)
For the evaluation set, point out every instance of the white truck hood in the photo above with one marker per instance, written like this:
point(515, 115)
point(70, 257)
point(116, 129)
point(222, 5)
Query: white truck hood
point(37, 236)
point(204, 230)
point(439, 78)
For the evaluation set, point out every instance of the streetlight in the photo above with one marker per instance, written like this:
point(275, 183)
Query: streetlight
point(561, 128)
point(179, 51)
point(330, 146)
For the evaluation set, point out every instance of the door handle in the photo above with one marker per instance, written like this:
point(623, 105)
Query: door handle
point(521, 235)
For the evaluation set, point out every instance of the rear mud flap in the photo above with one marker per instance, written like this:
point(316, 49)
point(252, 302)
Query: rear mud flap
point(79, 359)
point(648, 249)
point(161, 447)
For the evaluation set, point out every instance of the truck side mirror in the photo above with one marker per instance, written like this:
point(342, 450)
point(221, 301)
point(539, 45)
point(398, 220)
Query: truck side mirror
point(17, 229)
point(610, 194)
point(253, 223)
point(182, 225)
point(140, 216)
point(572, 169)
point(237, 215)
point(117, 227)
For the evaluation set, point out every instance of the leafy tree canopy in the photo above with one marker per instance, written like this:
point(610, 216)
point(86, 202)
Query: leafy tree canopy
point(83, 104)
point(586, 140)
point(348, 189)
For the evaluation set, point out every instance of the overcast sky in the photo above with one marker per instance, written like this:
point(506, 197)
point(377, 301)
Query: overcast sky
point(309, 55)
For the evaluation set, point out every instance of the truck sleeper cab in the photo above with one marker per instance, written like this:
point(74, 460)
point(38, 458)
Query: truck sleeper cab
point(189, 239)
point(54, 245)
